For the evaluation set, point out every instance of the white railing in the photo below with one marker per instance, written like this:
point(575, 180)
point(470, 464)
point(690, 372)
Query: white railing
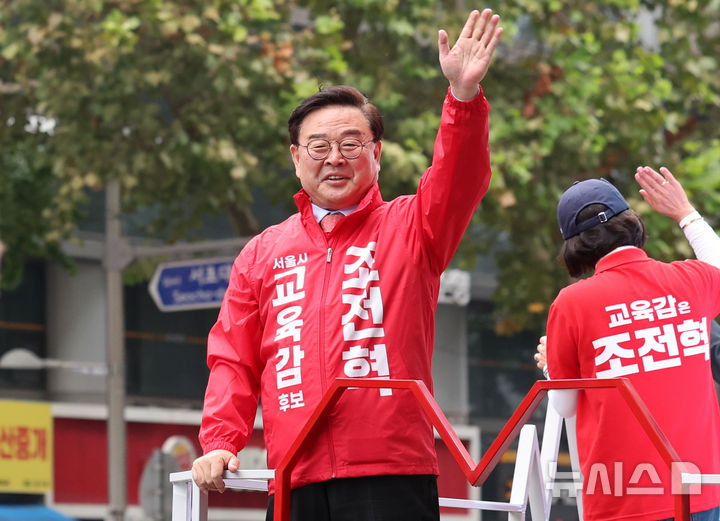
point(533, 477)
point(699, 479)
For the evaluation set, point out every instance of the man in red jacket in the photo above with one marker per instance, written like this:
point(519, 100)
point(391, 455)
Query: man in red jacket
point(347, 287)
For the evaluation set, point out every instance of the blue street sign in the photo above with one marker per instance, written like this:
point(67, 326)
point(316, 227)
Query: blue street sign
point(190, 284)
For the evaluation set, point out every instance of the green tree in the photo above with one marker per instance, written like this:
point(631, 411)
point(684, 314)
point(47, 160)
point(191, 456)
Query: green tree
point(185, 102)
point(594, 89)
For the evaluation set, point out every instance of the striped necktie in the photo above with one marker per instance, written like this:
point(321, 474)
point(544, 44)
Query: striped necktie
point(330, 220)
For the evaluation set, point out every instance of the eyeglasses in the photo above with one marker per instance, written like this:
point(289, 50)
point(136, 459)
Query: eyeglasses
point(349, 148)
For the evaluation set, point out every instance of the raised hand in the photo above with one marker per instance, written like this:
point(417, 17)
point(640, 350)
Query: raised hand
point(663, 192)
point(466, 64)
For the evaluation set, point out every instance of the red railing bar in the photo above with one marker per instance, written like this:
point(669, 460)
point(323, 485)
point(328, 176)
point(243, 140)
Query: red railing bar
point(507, 436)
point(476, 474)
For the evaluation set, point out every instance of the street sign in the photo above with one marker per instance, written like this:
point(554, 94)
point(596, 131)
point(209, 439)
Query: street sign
point(190, 284)
point(156, 491)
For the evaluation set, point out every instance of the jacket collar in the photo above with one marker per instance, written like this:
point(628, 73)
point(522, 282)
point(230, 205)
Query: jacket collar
point(369, 202)
point(620, 256)
point(320, 213)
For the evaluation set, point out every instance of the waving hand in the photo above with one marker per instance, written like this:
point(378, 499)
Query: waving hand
point(466, 64)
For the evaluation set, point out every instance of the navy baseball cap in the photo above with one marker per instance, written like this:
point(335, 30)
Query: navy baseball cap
point(582, 194)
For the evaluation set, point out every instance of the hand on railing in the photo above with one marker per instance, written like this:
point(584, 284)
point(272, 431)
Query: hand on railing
point(207, 470)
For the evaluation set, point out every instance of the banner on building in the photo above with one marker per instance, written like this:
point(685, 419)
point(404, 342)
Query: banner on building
point(26, 447)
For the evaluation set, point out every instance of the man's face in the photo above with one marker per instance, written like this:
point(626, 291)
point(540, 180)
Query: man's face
point(336, 182)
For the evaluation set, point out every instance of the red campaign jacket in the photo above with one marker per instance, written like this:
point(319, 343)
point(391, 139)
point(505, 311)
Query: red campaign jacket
point(304, 307)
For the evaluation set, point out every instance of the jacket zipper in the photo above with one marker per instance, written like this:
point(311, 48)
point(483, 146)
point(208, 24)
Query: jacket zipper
point(323, 377)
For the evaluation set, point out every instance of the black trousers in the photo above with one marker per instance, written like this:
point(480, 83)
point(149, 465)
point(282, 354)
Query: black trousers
point(372, 498)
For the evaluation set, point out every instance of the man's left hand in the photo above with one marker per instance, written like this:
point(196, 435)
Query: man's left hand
point(466, 64)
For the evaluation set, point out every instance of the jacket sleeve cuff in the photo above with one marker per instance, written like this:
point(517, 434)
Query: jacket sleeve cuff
point(464, 109)
point(465, 100)
point(479, 95)
point(219, 445)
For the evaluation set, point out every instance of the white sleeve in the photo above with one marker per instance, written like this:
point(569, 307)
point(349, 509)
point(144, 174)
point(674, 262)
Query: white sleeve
point(702, 238)
point(564, 401)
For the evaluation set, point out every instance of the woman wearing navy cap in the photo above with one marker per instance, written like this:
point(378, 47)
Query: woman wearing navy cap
point(644, 320)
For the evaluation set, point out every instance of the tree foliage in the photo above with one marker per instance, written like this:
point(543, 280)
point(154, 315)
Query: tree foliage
point(185, 102)
point(594, 89)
